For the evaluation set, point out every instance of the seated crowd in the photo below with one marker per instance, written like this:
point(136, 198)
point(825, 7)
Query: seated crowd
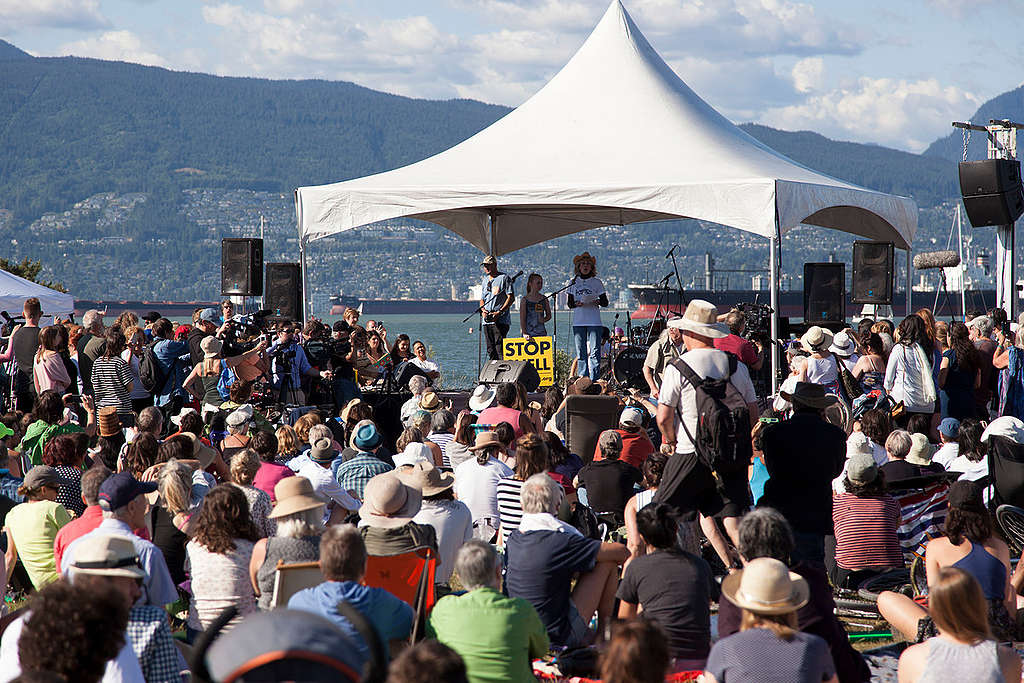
point(176, 532)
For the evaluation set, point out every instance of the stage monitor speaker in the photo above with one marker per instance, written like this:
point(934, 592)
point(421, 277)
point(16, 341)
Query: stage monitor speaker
point(585, 418)
point(873, 268)
point(404, 372)
point(284, 291)
point(241, 266)
point(824, 293)
point(991, 191)
point(498, 371)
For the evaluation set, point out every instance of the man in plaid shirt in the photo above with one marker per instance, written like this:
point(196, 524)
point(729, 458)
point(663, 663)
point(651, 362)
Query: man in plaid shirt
point(354, 474)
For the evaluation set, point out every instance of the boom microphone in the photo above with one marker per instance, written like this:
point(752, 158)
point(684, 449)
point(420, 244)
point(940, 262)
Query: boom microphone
point(516, 276)
point(936, 259)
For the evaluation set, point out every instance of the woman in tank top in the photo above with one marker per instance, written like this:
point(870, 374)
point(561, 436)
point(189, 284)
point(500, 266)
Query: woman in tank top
point(821, 365)
point(970, 544)
point(652, 468)
point(870, 368)
point(534, 310)
point(964, 649)
point(207, 372)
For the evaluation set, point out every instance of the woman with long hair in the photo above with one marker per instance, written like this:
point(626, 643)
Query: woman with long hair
point(586, 296)
point(376, 360)
point(48, 371)
point(769, 645)
point(244, 466)
point(1009, 360)
point(524, 406)
point(112, 378)
point(959, 374)
point(171, 517)
point(401, 350)
point(534, 310)
point(136, 345)
point(637, 653)
point(971, 543)
point(458, 449)
point(219, 554)
point(288, 444)
point(563, 465)
point(870, 367)
point(908, 374)
point(964, 649)
point(531, 459)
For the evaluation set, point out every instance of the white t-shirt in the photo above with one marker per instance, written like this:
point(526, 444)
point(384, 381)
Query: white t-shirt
point(586, 292)
point(453, 525)
point(947, 453)
point(675, 391)
point(476, 485)
point(425, 365)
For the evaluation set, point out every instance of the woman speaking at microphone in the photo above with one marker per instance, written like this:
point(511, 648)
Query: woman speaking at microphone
point(586, 297)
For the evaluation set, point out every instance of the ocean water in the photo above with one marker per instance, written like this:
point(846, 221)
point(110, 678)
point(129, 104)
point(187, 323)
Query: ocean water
point(453, 344)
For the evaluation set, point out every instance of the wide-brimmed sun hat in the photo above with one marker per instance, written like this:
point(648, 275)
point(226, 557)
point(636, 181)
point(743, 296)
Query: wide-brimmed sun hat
point(482, 398)
point(430, 480)
point(389, 501)
point(107, 555)
point(348, 408)
point(701, 317)
point(816, 339)
point(211, 346)
point(485, 439)
point(322, 451)
point(810, 394)
point(766, 586)
point(920, 450)
point(430, 402)
point(200, 451)
point(365, 436)
point(294, 494)
point(842, 344)
point(176, 419)
point(414, 452)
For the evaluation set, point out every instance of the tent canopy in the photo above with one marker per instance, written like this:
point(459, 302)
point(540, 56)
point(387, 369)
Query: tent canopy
point(14, 290)
point(614, 138)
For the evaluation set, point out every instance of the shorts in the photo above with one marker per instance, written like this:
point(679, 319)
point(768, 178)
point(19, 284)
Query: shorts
point(734, 488)
point(579, 632)
point(689, 486)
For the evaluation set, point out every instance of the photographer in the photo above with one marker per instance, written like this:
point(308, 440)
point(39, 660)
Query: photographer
point(347, 345)
point(735, 344)
point(205, 325)
point(289, 365)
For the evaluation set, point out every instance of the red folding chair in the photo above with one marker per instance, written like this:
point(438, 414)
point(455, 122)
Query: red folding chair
point(409, 577)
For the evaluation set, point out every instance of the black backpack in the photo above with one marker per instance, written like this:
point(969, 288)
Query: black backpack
point(150, 373)
point(723, 420)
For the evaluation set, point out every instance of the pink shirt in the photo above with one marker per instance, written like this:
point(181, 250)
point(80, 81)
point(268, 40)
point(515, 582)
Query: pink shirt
point(49, 373)
point(499, 414)
point(267, 477)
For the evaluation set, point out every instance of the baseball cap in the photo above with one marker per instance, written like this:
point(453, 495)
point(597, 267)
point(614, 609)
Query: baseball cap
point(488, 261)
point(151, 316)
point(210, 316)
point(631, 417)
point(44, 475)
point(949, 427)
point(120, 489)
point(609, 439)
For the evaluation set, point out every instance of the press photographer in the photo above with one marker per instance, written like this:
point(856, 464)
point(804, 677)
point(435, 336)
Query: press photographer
point(289, 365)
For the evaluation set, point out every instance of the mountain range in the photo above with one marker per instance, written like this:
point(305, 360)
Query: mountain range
point(72, 128)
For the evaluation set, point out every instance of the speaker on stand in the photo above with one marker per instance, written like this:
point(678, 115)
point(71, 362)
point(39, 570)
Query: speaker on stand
point(824, 294)
point(283, 297)
point(874, 264)
point(241, 266)
point(991, 191)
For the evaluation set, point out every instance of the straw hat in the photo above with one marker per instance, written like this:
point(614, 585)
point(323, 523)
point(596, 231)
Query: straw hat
point(810, 394)
point(482, 398)
point(430, 480)
point(485, 439)
point(430, 402)
point(920, 450)
point(107, 555)
point(240, 416)
point(701, 317)
point(389, 501)
point(294, 494)
point(585, 256)
point(816, 339)
point(200, 451)
point(110, 423)
point(211, 346)
point(414, 452)
point(842, 344)
point(766, 586)
point(348, 408)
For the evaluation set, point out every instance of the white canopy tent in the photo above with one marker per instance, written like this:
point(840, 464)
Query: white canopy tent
point(614, 138)
point(14, 290)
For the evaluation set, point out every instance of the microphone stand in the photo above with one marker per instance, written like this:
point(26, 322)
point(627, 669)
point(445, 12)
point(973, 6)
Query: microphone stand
point(554, 315)
point(480, 327)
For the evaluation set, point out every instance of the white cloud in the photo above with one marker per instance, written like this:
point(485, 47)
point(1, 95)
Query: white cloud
point(122, 46)
point(893, 112)
point(76, 14)
point(809, 74)
point(572, 16)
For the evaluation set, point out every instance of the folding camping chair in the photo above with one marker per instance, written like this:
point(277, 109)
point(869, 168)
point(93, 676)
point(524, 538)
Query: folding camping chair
point(289, 579)
point(409, 577)
point(1006, 471)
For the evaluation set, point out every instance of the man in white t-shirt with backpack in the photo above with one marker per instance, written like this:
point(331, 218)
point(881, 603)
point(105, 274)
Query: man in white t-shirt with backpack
point(689, 483)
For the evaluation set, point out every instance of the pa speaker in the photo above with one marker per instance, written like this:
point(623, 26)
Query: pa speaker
point(992, 191)
point(498, 371)
point(241, 267)
point(284, 290)
point(873, 267)
point(824, 293)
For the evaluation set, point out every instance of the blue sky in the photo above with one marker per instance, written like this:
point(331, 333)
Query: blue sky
point(891, 73)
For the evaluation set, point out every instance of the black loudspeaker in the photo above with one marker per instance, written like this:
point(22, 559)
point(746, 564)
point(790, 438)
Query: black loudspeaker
point(824, 293)
point(992, 191)
point(284, 290)
point(241, 267)
point(404, 372)
point(498, 371)
point(873, 267)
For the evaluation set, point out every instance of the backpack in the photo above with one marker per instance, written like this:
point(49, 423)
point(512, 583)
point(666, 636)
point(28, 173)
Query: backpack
point(722, 440)
point(150, 373)
point(227, 378)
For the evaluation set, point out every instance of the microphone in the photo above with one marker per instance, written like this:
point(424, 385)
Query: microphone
point(665, 279)
point(936, 259)
point(516, 276)
point(671, 251)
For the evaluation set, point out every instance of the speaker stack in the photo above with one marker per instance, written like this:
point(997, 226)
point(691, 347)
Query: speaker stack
point(284, 291)
point(498, 371)
point(991, 191)
point(824, 293)
point(873, 270)
point(241, 267)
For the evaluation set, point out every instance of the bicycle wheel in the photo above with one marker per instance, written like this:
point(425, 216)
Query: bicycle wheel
point(892, 580)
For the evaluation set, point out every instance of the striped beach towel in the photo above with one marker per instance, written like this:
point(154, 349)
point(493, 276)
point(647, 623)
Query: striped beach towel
point(923, 514)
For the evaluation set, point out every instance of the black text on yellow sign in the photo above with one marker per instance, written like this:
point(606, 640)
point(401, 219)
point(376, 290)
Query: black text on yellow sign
point(539, 351)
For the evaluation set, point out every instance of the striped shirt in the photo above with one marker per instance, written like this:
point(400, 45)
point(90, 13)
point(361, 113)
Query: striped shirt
point(442, 439)
point(510, 509)
point(866, 531)
point(110, 380)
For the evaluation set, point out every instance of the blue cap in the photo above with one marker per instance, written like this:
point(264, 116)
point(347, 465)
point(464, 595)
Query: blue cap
point(366, 436)
point(949, 427)
point(120, 489)
point(210, 316)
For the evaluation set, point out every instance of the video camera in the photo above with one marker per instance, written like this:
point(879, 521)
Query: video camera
point(758, 318)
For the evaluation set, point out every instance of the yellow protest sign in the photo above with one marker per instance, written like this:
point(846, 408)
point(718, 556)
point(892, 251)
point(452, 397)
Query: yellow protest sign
point(539, 351)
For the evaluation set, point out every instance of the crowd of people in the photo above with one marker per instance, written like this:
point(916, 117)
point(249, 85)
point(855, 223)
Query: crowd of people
point(145, 530)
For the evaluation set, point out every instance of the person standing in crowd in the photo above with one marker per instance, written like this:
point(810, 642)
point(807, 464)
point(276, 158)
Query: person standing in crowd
point(688, 483)
point(48, 371)
point(844, 348)
point(666, 349)
point(980, 329)
point(497, 637)
point(822, 367)
point(206, 325)
point(135, 345)
point(451, 519)
point(112, 378)
point(908, 373)
point(430, 368)
point(803, 455)
point(586, 296)
point(960, 374)
point(172, 358)
point(497, 296)
point(22, 350)
point(534, 309)
point(964, 649)
point(290, 365)
point(735, 344)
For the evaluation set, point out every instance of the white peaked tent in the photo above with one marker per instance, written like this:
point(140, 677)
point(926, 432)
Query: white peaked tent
point(614, 138)
point(14, 290)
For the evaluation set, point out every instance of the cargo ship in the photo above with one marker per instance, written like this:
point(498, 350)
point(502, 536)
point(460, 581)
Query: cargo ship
point(371, 307)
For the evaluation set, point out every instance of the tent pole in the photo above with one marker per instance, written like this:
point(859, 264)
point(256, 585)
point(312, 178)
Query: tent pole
point(910, 291)
point(773, 276)
point(305, 280)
